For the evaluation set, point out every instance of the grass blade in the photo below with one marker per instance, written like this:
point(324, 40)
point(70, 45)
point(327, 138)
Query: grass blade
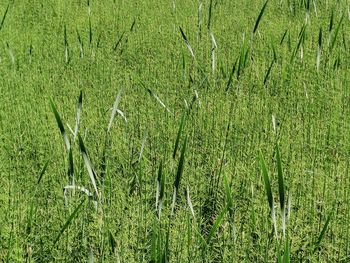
point(118, 41)
point(331, 21)
point(259, 17)
point(80, 188)
point(179, 174)
point(216, 225)
point(266, 180)
point(283, 36)
point(121, 113)
point(159, 194)
point(213, 48)
point(199, 21)
point(336, 33)
point(189, 201)
point(300, 42)
point(81, 44)
point(42, 172)
point(60, 124)
point(114, 110)
point(229, 200)
point(210, 13)
point(268, 72)
point(180, 166)
point(160, 189)
point(112, 241)
point(161, 177)
point(4, 16)
point(268, 189)
point(323, 232)
point(157, 99)
point(69, 221)
point(145, 136)
point(242, 58)
point(286, 254)
point(88, 164)
point(77, 121)
point(66, 48)
point(229, 82)
point(179, 134)
point(319, 50)
point(187, 42)
point(71, 167)
point(133, 25)
point(90, 31)
point(280, 179)
point(281, 189)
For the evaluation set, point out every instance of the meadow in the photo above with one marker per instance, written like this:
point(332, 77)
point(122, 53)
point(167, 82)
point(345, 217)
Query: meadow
point(174, 131)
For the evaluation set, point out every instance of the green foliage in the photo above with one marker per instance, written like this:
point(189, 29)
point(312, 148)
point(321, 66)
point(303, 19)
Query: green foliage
point(158, 110)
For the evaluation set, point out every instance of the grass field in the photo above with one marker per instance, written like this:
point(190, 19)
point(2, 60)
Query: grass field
point(174, 131)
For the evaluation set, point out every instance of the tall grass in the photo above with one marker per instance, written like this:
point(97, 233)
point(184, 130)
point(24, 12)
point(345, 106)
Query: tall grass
point(166, 169)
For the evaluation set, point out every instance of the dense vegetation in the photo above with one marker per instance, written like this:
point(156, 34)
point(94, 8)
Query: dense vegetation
point(174, 131)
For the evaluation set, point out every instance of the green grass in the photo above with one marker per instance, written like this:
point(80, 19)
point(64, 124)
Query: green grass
point(174, 131)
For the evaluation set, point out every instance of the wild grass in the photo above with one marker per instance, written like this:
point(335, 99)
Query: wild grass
point(174, 131)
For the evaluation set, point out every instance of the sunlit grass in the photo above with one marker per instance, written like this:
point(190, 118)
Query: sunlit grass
point(174, 131)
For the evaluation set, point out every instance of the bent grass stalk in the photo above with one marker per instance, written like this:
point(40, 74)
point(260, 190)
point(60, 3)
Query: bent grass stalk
point(187, 42)
point(158, 99)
